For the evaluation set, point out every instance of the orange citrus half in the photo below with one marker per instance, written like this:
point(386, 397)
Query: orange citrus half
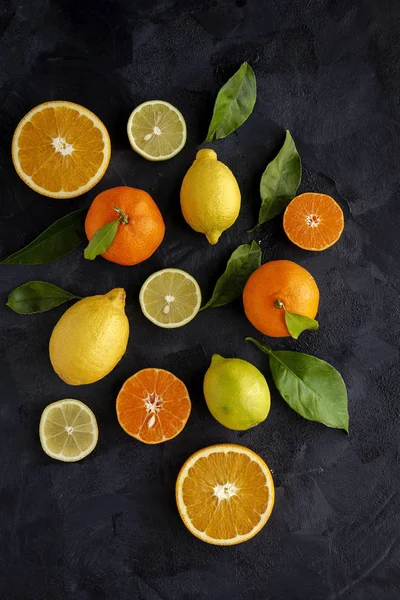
point(313, 221)
point(61, 149)
point(225, 494)
point(153, 406)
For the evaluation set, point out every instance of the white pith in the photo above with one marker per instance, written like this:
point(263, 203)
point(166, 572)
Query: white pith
point(168, 301)
point(61, 145)
point(153, 404)
point(226, 491)
point(313, 220)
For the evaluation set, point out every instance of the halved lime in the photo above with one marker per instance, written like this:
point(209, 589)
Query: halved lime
point(68, 430)
point(170, 298)
point(157, 130)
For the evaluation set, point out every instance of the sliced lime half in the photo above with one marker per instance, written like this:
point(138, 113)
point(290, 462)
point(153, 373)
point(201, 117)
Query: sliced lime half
point(157, 130)
point(68, 430)
point(170, 298)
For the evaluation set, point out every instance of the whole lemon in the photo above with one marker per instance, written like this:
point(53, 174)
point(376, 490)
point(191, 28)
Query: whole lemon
point(210, 196)
point(236, 393)
point(90, 338)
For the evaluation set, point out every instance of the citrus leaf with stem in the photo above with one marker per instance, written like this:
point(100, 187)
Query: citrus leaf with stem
point(102, 240)
point(280, 181)
point(37, 296)
point(242, 263)
point(309, 385)
point(234, 103)
point(56, 241)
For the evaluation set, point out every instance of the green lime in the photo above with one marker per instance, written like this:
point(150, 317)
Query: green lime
point(236, 393)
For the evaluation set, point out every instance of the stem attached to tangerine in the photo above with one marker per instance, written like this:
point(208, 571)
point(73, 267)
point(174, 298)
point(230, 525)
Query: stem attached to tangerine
point(123, 217)
point(279, 304)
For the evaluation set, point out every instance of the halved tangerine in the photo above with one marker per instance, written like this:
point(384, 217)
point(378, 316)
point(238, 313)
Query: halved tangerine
point(313, 221)
point(153, 406)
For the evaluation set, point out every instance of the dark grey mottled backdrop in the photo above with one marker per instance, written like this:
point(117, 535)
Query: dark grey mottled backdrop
point(108, 527)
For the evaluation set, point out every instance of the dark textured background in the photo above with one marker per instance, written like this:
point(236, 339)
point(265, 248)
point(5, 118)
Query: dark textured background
point(107, 527)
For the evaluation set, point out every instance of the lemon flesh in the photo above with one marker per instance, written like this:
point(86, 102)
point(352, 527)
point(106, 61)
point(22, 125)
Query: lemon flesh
point(236, 393)
point(90, 338)
point(157, 130)
point(170, 298)
point(68, 430)
point(210, 196)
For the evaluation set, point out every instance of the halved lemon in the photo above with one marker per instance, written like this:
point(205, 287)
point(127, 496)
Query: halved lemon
point(68, 430)
point(157, 130)
point(170, 298)
point(61, 149)
point(225, 494)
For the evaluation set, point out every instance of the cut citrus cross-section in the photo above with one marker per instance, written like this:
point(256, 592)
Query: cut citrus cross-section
point(170, 298)
point(61, 149)
point(153, 406)
point(157, 130)
point(68, 430)
point(313, 221)
point(225, 494)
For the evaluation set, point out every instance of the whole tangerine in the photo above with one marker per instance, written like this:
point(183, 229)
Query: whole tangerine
point(276, 287)
point(141, 225)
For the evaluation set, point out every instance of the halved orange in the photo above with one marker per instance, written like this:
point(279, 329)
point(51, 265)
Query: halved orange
point(153, 406)
point(61, 149)
point(225, 494)
point(313, 221)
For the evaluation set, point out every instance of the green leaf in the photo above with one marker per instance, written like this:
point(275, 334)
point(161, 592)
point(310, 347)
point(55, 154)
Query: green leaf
point(311, 387)
point(296, 324)
point(280, 181)
point(243, 261)
point(56, 241)
point(234, 103)
point(102, 239)
point(37, 296)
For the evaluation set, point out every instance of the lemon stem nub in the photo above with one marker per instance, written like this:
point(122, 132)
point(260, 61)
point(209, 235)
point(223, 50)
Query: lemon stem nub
point(123, 217)
point(279, 304)
point(216, 358)
point(117, 295)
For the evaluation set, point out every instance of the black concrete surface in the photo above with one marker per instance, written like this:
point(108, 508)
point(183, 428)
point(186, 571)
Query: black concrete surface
point(108, 527)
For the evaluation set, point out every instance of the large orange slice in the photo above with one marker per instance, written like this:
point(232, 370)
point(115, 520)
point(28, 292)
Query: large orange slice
point(153, 406)
point(61, 149)
point(313, 221)
point(225, 494)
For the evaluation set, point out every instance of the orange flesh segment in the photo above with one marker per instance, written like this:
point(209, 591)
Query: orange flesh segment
point(153, 406)
point(313, 221)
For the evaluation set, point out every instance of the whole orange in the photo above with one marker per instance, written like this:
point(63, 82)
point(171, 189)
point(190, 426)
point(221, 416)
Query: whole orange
point(141, 226)
point(277, 286)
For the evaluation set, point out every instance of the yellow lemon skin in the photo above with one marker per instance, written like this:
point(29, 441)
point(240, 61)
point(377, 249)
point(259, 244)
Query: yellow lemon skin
point(90, 338)
point(236, 393)
point(210, 196)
